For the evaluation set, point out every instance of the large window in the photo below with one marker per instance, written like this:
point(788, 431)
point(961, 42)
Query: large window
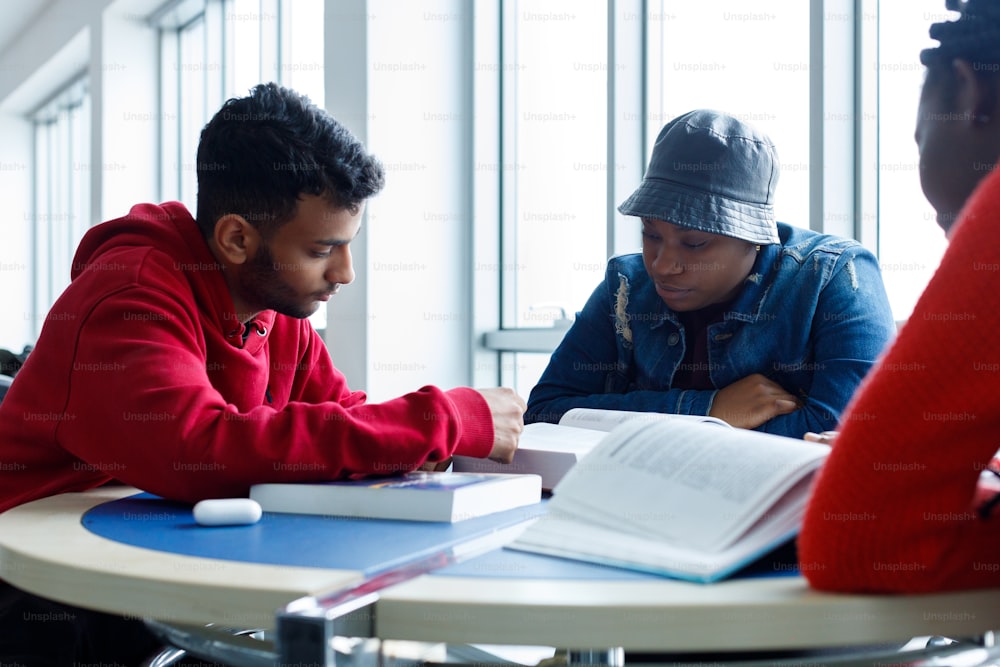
point(564, 170)
point(749, 59)
point(61, 192)
point(582, 91)
point(556, 149)
point(555, 135)
point(837, 92)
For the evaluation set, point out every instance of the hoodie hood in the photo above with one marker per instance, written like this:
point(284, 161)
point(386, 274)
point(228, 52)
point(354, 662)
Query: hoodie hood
point(166, 227)
point(169, 229)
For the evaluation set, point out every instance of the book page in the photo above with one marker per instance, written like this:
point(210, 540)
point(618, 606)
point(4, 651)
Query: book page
point(607, 420)
point(557, 536)
point(687, 483)
point(559, 438)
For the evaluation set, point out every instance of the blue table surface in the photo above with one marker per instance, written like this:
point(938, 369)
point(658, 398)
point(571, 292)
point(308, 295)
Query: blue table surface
point(370, 546)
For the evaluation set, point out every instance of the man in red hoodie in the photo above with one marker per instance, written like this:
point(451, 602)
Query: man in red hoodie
point(179, 359)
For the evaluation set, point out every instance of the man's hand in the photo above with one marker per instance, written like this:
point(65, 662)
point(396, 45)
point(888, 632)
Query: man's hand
point(750, 402)
point(508, 421)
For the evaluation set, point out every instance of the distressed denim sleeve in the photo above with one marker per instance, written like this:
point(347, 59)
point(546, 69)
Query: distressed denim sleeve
point(852, 324)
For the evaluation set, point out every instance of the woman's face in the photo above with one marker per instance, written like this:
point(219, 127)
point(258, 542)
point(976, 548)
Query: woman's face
point(693, 269)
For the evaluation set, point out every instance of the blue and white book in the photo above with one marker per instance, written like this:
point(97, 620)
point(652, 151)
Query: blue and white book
point(680, 499)
point(415, 496)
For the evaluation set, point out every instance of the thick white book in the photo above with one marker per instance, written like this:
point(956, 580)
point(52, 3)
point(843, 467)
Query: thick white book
point(415, 496)
point(551, 450)
point(680, 499)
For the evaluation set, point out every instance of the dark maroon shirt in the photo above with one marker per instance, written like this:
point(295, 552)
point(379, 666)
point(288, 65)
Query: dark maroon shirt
point(693, 370)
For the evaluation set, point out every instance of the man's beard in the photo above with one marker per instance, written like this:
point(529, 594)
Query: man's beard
point(261, 283)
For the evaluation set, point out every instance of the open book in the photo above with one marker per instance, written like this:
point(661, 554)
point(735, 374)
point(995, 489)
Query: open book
point(550, 450)
point(680, 499)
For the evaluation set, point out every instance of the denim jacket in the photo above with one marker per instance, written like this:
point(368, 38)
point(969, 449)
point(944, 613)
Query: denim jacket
point(813, 316)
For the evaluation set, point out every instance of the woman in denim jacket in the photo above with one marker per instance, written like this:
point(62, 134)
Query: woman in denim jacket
point(725, 312)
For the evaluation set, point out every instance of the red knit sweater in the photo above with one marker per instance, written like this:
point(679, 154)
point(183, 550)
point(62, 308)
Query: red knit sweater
point(895, 507)
point(141, 374)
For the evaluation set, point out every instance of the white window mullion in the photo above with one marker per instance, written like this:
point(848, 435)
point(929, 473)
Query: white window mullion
point(270, 41)
point(300, 48)
point(40, 230)
point(487, 174)
point(866, 179)
point(508, 164)
point(626, 116)
point(170, 142)
point(215, 58)
point(833, 121)
point(60, 246)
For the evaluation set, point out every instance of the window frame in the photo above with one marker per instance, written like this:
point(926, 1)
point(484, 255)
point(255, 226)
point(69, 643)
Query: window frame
point(627, 128)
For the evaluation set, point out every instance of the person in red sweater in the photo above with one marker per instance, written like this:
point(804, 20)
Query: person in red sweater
point(179, 359)
point(906, 502)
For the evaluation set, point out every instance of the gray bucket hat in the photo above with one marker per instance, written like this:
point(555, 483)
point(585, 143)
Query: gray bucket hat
point(710, 172)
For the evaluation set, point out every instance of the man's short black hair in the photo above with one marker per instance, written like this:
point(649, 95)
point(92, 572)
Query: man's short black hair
point(260, 153)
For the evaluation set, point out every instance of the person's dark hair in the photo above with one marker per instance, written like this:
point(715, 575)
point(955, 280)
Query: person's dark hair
point(973, 37)
point(260, 153)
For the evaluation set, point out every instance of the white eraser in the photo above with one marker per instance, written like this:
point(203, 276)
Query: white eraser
point(227, 512)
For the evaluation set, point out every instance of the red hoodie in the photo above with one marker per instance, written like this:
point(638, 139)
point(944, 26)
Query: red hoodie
point(141, 374)
point(897, 505)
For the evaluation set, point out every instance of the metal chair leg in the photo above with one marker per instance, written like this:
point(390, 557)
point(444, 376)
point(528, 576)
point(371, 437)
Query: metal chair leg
point(165, 658)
